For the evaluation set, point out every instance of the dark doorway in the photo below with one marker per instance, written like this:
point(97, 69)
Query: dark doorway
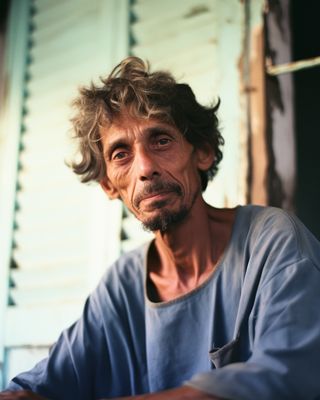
point(305, 29)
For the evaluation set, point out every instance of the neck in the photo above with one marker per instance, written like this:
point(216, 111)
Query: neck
point(185, 255)
point(186, 246)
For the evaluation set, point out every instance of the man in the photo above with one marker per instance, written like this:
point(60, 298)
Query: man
point(222, 304)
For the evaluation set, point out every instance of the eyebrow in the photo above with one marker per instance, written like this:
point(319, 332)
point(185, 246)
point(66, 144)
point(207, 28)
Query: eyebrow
point(157, 130)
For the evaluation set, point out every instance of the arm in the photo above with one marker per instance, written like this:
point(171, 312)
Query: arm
point(20, 395)
point(282, 329)
point(97, 356)
point(285, 340)
point(182, 393)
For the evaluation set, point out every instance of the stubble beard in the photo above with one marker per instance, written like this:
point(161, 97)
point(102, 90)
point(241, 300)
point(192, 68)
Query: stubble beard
point(165, 217)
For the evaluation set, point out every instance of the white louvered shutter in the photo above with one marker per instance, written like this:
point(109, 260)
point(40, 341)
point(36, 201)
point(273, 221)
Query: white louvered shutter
point(65, 233)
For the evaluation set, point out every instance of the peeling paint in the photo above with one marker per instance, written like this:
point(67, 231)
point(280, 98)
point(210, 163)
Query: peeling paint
point(258, 119)
point(244, 126)
point(197, 10)
point(252, 85)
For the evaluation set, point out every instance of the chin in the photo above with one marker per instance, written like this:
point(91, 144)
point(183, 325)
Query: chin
point(165, 219)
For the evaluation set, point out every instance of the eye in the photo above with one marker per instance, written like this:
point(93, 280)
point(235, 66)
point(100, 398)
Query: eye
point(119, 155)
point(162, 142)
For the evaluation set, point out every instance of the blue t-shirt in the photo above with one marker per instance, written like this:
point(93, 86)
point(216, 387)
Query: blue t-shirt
point(251, 330)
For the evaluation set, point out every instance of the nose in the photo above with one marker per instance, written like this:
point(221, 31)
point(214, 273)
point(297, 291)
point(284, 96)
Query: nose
point(146, 164)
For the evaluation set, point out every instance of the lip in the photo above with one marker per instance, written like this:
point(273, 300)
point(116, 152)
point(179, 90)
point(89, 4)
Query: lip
point(156, 196)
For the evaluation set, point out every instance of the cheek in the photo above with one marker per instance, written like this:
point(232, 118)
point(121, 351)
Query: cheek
point(125, 186)
point(192, 181)
point(118, 177)
point(188, 172)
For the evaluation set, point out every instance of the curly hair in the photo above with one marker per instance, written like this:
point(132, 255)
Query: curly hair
point(132, 89)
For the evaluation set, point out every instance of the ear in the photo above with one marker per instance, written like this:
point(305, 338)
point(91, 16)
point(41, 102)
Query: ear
point(205, 157)
point(109, 189)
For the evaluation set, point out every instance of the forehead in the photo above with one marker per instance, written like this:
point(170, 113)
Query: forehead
point(128, 128)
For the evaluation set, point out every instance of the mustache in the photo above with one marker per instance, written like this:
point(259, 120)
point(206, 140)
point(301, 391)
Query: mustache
point(155, 188)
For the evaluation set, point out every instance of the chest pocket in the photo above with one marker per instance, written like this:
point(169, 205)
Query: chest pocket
point(225, 355)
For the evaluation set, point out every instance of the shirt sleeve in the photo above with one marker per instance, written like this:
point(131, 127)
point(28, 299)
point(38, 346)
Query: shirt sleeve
point(284, 332)
point(285, 356)
point(98, 356)
point(67, 370)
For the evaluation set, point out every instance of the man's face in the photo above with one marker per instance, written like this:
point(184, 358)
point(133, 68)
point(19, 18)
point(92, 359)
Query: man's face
point(152, 168)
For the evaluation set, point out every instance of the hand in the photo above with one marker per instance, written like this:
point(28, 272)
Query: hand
point(181, 393)
point(20, 395)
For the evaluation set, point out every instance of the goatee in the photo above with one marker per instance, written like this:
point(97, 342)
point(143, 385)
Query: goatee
point(165, 219)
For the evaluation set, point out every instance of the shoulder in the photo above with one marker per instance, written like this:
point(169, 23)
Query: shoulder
point(261, 217)
point(277, 238)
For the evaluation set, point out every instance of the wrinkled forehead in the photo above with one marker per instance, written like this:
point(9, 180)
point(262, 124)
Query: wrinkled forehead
point(130, 128)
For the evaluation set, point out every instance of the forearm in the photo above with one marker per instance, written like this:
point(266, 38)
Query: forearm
point(20, 395)
point(181, 393)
